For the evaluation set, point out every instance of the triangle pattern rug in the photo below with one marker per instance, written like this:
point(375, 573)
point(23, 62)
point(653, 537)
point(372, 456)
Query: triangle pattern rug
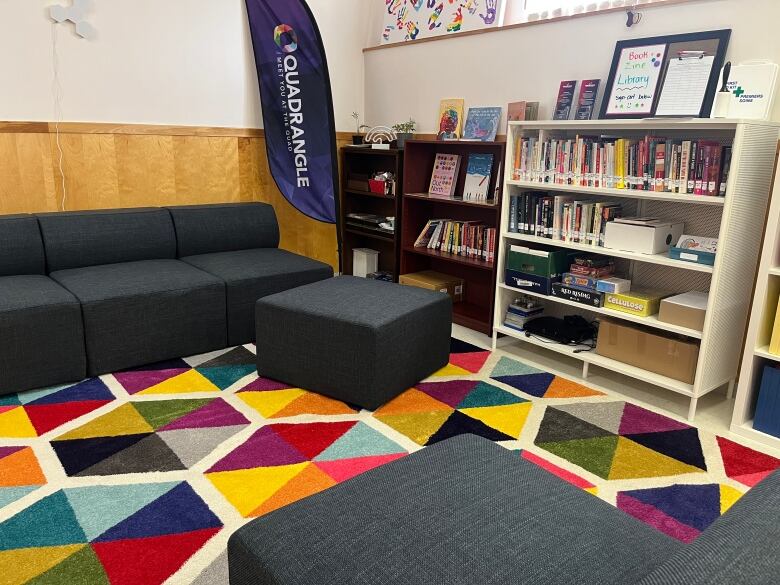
point(129, 477)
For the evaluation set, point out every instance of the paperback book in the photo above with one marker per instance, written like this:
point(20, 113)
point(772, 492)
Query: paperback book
point(451, 119)
point(482, 124)
point(478, 172)
point(445, 175)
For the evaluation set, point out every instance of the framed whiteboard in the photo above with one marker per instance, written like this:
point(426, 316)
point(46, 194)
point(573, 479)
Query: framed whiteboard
point(678, 72)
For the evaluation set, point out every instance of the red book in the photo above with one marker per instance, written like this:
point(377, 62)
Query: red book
point(713, 184)
point(660, 167)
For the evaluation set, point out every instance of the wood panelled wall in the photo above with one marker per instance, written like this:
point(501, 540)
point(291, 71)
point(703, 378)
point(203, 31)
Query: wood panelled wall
point(111, 166)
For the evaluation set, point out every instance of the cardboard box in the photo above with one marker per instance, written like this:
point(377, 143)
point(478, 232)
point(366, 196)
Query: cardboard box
point(697, 256)
point(641, 303)
point(547, 263)
point(644, 237)
point(685, 310)
point(667, 356)
point(530, 282)
point(431, 280)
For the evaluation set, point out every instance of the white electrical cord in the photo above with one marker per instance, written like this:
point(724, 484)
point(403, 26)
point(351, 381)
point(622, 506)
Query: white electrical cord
point(57, 94)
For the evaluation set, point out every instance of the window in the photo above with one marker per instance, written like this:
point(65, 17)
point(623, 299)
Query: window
point(523, 10)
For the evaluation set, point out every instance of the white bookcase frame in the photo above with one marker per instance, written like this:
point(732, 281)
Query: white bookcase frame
point(762, 319)
point(737, 224)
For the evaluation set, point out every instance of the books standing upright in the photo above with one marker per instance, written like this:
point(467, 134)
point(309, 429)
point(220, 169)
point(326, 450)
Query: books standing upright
point(451, 119)
point(445, 175)
point(478, 173)
point(522, 111)
point(482, 124)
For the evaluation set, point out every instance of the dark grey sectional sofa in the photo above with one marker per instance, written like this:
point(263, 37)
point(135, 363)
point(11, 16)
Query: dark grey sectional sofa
point(93, 292)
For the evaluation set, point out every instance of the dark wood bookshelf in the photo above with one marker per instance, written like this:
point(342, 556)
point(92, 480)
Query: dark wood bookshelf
point(476, 311)
point(362, 162)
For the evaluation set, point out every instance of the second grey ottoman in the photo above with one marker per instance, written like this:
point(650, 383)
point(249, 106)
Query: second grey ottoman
point(356, 340)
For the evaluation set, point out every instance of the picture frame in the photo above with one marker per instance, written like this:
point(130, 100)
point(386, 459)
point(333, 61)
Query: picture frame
point(641, 68)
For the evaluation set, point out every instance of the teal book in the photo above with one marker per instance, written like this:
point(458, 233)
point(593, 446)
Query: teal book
point(482, 124)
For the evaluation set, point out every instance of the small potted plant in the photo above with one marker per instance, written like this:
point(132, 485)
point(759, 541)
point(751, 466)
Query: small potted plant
point(357, 138)
point(405, 131)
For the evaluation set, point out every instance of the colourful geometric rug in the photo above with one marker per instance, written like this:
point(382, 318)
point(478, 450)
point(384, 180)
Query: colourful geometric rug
point(141, 476)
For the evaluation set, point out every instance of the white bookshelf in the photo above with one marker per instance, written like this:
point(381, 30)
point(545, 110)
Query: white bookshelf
point(759, 333)
point(736, 220)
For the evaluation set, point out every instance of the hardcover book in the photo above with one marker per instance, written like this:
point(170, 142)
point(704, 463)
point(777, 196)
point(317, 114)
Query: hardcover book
point(482, 124)
point(445, 175)
point(478, 173)
point(451, 119)
point(565, 100)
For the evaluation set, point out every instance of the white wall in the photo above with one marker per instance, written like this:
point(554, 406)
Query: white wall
point(180, 62)
point(528, 63)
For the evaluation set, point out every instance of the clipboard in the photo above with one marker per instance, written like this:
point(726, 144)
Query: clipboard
point(685, 84)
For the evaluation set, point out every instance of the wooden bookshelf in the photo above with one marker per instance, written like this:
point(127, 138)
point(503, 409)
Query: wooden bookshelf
point(365, 162)
point(736, 220)
point(476, 311)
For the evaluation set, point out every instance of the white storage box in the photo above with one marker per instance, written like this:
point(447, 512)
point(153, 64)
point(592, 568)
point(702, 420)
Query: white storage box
point(364, 261)
point(645, 236)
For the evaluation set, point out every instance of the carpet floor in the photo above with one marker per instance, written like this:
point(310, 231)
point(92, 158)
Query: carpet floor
point(140, 477)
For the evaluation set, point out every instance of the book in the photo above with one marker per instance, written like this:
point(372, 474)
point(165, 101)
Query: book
point(565, 100)
point(522, 111)
point(478, 172)
point(482, 124)
point(774, 344)
point(451, 119)
point(589, 89)
point(445, 175)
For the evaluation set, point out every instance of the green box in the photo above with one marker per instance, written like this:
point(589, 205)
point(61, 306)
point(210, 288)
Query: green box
point(546, 263)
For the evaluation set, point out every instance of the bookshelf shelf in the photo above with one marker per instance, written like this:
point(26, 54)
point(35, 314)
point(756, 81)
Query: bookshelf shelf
point(620, 193)
point(759, 334)
point(363, 162)
point(764, 352)
point(650, 259)
point(651, 321)
point(735, 220)
point(479, 276)
point(426, 197)
point(439, 255)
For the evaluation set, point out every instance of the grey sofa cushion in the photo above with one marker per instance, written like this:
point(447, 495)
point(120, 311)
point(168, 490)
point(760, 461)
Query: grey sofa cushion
point(252, 274)
point(358, 340)
point(463, 512)
point(90, 238)
point(205, 229)
point(742, 547)
point(41, 334)
point(142, 312)
point(21, 247)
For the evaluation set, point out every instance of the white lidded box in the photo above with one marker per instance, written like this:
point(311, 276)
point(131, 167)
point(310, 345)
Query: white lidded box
point(364, 261)
point(642, 235)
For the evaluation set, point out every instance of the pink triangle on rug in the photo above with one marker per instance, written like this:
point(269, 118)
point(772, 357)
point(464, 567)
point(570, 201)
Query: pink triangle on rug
point(216, 413)
point(471, 362)
point(344, 469)
point(450, 393)
point(264, 385)
point(263, 449)
point(637, 420)
point(657, 519)
point(567, 476)
point(135, 382)
point(752, 479)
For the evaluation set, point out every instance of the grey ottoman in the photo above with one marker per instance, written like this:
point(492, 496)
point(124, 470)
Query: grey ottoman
point(463, 512)
point(356, 340)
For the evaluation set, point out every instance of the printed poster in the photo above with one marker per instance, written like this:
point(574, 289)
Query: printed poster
point(636, 80)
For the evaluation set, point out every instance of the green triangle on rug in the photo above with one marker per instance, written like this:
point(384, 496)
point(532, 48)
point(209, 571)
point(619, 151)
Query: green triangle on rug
point(594, 455)
point(81, 567)
point(159, 413)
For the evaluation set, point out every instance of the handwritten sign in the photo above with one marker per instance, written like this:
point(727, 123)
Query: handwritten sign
point(636, 80)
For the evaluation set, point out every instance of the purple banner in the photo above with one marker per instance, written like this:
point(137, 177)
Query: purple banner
point(300, 133)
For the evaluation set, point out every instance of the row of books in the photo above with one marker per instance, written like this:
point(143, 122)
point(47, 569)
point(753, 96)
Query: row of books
point(652, 163)
point(471, 239)
point(561, 217)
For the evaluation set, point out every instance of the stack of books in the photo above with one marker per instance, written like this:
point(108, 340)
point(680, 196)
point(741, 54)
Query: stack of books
point(652, 163)
point(521, 311)
point(561, 217)
point(470, 239)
